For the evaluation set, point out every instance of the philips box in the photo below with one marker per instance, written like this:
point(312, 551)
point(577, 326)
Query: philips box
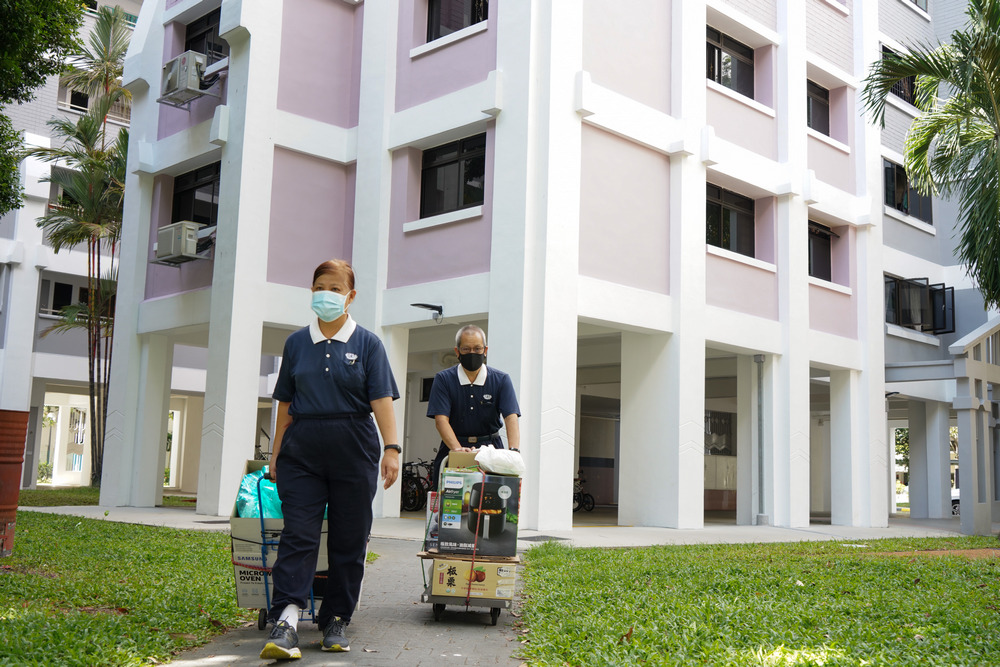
point(479, 513)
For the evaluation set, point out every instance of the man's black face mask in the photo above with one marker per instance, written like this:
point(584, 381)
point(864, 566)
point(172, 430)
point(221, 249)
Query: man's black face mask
point(472, 362)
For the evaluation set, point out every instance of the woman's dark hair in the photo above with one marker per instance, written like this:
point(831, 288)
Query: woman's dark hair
point(333, 266)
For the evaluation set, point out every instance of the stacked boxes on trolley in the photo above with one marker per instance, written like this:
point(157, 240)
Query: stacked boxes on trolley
point(254, 549)
point(471, 532)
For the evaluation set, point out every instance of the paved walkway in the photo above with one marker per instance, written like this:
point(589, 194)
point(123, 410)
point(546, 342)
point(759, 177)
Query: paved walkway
point(393, 628)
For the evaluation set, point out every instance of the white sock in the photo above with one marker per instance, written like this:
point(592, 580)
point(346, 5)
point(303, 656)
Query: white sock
point(290, 615)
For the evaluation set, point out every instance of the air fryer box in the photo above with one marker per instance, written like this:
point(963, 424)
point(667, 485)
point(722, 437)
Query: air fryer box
point(479, 513)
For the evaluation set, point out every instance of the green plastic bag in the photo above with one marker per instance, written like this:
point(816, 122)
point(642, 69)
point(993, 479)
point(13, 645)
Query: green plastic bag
point(247, 504)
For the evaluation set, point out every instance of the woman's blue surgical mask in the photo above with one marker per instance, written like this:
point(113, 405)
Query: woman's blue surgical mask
point(328, 305)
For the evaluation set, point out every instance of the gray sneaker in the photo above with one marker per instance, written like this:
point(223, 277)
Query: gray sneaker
point(334, 637)
point(282, 643)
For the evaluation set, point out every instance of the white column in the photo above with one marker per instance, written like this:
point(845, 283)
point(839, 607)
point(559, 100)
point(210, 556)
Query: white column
point(28, 258)
point(236, 326)
point(746, 437)
point(371, 208)
point(534, 260)
point(919, 450)
point(33, 446)
point(396, 341)
point(851, 477)
point(866, 145)
point(155, 361)
point(975, 456)
point(938, 460)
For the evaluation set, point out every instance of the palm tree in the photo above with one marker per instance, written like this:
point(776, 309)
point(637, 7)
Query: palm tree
point(90, 212)
point(953, 146)
point(97, 68)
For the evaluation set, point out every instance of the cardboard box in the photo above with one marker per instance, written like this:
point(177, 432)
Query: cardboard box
point(246, 540)
point(463, 528)
point(491, 580)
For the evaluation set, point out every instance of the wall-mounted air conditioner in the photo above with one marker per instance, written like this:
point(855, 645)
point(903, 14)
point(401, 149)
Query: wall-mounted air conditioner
point(177, 243)
point(182, 78)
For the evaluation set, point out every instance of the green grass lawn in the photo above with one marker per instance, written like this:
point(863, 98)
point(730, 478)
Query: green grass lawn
point(87, 592)
point(815, 603)
point(81, 495)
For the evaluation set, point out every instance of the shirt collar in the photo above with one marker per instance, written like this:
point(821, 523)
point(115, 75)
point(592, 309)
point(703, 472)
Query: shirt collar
point(342, 336)
point(480, 380)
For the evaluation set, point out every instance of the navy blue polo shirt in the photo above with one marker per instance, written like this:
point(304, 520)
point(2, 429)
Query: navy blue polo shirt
point(322, 376)
point(473, 409)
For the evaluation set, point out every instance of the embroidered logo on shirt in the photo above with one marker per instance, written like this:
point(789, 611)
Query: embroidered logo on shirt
point(351, 358)
point(487, 396)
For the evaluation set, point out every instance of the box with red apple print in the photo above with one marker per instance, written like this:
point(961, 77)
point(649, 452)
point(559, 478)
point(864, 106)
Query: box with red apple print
point(476, 579)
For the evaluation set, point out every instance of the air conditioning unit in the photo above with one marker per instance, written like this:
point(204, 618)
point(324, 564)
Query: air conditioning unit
point(177, 243)
point(182, 78)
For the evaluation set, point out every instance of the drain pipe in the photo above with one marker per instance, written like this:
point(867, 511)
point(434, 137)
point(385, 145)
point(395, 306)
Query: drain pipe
point(762, 518)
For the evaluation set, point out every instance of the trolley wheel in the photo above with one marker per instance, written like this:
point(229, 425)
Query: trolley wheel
point(438, 610)
point(494, 615)
point(262, 619)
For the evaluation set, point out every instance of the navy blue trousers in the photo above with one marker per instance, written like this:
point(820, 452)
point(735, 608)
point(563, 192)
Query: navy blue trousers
point(330, 462)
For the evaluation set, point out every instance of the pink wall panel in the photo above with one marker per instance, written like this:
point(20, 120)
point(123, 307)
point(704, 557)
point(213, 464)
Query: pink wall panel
point(170, 119)
point(449, 251)
point(318, 68)
point(741, 287)
point(831, 165)
point(312, 212)
point(615, 41)
point(444, 70)
point(832, 312)
point(741, 125)
point(167, 280)
point(624, 212)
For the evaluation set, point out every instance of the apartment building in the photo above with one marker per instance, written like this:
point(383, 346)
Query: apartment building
point(678, 258)
point(46, 375)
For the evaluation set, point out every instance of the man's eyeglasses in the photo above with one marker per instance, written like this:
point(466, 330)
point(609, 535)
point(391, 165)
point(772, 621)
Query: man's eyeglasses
point(471, 350)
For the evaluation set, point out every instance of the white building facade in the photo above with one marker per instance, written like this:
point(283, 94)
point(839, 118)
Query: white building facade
point(680, 264)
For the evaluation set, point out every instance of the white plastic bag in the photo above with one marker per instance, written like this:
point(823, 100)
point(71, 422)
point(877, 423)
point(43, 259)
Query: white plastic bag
point(500, 461)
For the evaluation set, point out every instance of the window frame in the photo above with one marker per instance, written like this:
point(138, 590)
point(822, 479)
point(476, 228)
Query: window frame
point(912, 202)
point(205, 29)
point(821, 238)
point(905, 89)
point(914, 303)
point(817, 95)
point(195, 181)
point(463, 155)
point(733, 202)
point(720, 44)
point(478, 12)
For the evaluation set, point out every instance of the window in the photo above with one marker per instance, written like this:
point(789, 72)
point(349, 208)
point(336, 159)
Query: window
point(203, 36)
point(54, 296)
point(818, 108)
point(720, 433)
point(79, 101)
point(730, 221)
point(453, 176)
point(920, 3)
point(915, 304)
point(196, 196)
point(820, 251)
point(900, 196)
point(905, 89)
point(730, 63)
point(447, 16)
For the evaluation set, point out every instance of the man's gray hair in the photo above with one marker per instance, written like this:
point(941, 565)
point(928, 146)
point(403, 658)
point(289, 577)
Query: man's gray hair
point(469, 328)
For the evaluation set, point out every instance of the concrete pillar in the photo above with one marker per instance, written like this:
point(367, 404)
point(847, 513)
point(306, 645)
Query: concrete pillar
point(397, 342)
point(534, 261)
point(975, 456)
point(819, 466)
point(33, 446)
point(236, 326)
point(850, 476)
point(156, 360)
point(746, 438)
point(917, 412)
